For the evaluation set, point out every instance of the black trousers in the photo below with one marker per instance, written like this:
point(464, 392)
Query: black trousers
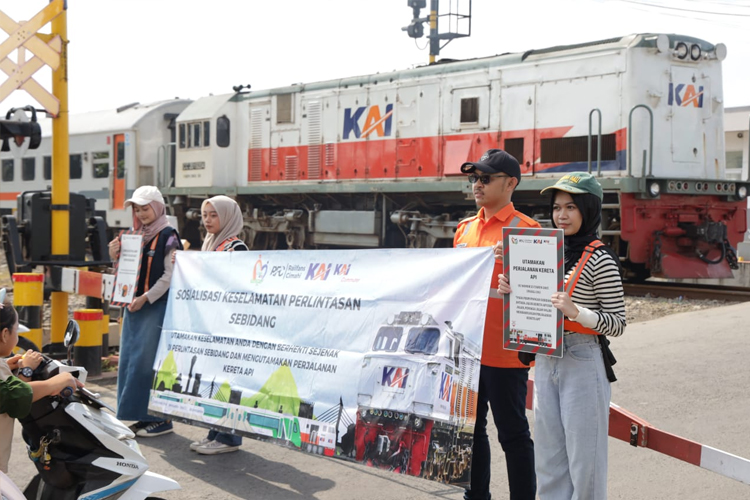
point(504, 391)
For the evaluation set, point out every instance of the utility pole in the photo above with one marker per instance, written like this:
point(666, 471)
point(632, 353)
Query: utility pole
point(458, 17)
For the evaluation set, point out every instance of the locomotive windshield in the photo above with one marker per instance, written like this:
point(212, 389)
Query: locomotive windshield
point(423, 341)
point(388, 339)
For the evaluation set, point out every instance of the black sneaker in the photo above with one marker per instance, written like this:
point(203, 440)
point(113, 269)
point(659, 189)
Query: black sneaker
point(138, 425)
point(154, 429)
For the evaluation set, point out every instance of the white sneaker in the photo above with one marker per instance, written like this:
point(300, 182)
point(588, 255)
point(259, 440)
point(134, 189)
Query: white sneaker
point(214, 448)
point(195, 444)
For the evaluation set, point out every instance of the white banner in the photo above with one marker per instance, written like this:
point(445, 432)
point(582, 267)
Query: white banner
point(366, 354)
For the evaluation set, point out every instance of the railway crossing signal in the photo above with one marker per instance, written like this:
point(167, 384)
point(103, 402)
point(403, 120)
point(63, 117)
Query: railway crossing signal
point(46, 50)
point(49, 50)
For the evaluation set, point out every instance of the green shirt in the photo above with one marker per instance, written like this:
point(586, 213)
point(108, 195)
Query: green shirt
point(15, 397)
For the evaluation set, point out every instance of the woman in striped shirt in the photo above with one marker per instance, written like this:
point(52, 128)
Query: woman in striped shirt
point(572, 393)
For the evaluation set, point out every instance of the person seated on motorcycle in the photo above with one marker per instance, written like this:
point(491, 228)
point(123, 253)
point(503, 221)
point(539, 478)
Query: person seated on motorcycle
point(17, 393)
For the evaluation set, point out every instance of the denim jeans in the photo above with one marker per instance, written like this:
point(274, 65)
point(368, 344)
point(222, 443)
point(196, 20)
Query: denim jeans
point(225, 438)
point(571, 421)
point(504, 391)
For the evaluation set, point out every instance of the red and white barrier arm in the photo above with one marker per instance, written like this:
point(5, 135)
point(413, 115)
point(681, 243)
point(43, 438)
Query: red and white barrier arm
point(88, 283)
point(632, 429)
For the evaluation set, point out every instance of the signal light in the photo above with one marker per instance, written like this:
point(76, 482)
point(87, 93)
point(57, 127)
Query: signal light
point(19, 130)
point(695, 52)
point(415, 30)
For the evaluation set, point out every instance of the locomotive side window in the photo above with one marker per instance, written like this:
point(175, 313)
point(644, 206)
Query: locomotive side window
point(222, 131)
point(101, 165)
point(183, 136)
point(470, 110)
point(388, 338)
point(7, 170)
point(76, 166)
point(422, 341)
point(196, 135)
point(570, 149)
point(28, 166)
point(284, 105)
point(47, 168)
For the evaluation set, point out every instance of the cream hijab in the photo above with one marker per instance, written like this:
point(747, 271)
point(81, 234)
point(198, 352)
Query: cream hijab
point(230, 221)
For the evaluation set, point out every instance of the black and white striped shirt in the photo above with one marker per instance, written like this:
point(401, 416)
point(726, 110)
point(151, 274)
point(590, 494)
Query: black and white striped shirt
point(599, 295)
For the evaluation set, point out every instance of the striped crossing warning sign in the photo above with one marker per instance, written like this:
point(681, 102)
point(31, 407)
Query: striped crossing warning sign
point(88, 283)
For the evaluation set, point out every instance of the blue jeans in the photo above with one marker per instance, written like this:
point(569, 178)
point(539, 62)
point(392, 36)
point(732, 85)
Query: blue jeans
point(504, 391)
point(571, 421)
point(139, 342)
point(225, 438)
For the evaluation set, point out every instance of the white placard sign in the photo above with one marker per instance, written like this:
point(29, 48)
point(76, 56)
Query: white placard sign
point(533, 260)
point(128, 267)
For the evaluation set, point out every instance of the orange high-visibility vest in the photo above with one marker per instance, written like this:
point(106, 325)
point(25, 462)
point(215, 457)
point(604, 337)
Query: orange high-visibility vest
point(571, 283)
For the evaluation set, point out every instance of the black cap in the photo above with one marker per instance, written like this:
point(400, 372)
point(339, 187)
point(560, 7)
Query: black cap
point(494, 161)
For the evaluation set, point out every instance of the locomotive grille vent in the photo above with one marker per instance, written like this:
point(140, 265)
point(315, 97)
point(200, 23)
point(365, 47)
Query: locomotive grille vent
point(514, 147)
point(256, 143)
point(313, 137)
point(291, 171)
point(274, 156)
point(330, 154)
point(572, 149)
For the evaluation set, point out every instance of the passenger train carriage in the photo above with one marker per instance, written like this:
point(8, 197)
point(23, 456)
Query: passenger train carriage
point(111, 153)
point(373, 161)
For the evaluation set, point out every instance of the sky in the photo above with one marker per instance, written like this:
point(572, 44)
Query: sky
point(124, 51)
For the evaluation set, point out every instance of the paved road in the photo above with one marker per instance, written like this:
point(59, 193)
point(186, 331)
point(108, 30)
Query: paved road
point(687, 374)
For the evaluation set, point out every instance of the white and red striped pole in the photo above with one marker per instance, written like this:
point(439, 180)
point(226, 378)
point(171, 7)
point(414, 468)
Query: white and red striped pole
point(632, 429)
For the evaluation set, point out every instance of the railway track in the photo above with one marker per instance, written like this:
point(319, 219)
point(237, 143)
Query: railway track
point(688, 291)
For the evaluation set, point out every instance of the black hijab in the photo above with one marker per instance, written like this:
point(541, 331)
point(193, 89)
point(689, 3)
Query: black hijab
point(590, 207)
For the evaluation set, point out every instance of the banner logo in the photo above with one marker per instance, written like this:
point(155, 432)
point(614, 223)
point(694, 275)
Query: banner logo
point(395, 377)
point(685, 95)
point(377, 122)
point(321, 271)
point(259, 271)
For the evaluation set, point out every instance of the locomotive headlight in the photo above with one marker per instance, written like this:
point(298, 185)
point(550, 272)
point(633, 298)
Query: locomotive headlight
point(695, 52)
point(742, 192)
point(417, 423)
point(681, 50)
point(654, 189)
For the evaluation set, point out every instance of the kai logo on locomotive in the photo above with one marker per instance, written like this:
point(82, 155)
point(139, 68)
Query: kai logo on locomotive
point(321, 271)
point(685, 95)
point(376, 121)
point(395, 377)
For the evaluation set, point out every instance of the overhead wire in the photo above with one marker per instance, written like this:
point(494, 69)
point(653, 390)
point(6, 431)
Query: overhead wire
point(695, 11)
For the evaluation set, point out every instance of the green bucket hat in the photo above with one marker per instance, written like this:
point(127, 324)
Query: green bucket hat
point(578, 183)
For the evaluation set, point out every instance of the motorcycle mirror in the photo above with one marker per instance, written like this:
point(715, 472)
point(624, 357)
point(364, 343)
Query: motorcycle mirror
point(72, 332)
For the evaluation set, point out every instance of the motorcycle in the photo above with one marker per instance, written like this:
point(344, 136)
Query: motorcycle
point(80, 450)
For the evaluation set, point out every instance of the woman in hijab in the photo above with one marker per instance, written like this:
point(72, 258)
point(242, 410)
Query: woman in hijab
point(572, 393)
point(144, 316)
point(223, 221)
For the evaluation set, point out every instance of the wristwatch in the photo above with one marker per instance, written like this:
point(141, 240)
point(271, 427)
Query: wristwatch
point(26, 371)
